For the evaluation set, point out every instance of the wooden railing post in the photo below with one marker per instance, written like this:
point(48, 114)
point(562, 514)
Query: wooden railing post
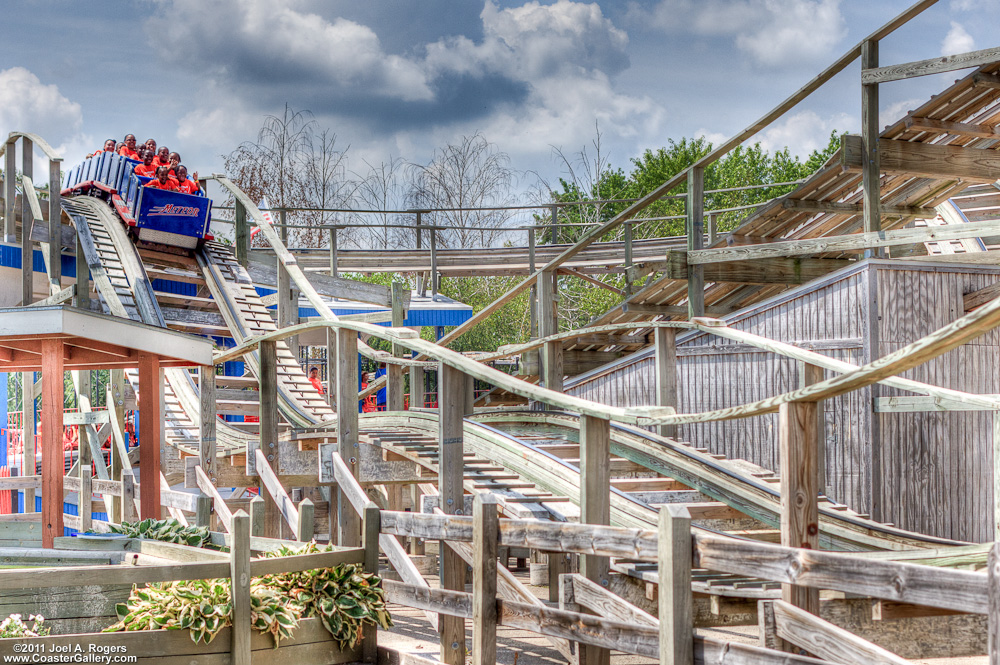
point(115, 401)
point(451, 415)
point(55, 223)
point(993, 571)
point(150, 392)
point(239, 572)
point(52, 458)
point(257, 516)
point(533, 294)
point(82, 298)
point(207, 446)
point(288, 305)
point(548, 324)
point(799, 489)
point(28, 435)
point(394, 372)
point(665, 343)
point(372, 526)
point(434, 261)
point(416, 386)
point(675, 601)
point(808, 375)
point(10, 190)
point(128, 497)
point(268, 414)
point(306, 525)
point(203, 511)
point(872, 190)
point(485, 533)
point(696, 239)
point(348, 521)
point(333, 251)
point(627, 233)
point(595, 507)
point(242, 234)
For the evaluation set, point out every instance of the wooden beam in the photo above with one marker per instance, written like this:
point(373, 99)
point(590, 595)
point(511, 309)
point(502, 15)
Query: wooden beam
point(695, 211)
point(239, 573)
point(268, 414)
point(149, 435)
point(675, 601)
point(591, 280)
point(984, 80)
point(855, 242)
point(279, 498)
point(58, 298)
point(52, 458)
point(451, 400)
point(665, 349)
point(941, 162)
point(826, 640)
point(839, 208)
point(28, 434)
point(673, 310)
point(485, 530)
point(993, 594)
point(207, 445)
point(548, 324)
point(595, 505)
point(799, 489)
point(762, 271)
point(949, 63)
point(949, 127)
point(348, 518)
point(871, 159)
point(981, 297)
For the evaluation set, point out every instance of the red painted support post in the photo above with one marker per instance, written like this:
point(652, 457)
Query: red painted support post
point(52, 457)
point(149, 435)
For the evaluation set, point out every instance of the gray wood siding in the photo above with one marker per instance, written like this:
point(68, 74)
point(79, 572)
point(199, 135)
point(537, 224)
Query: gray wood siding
point(933, 471)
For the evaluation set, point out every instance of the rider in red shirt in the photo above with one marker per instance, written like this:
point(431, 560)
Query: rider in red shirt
point(128, 150)
point(162, 157)
point(146, 169)
point(109, 146)
point(163, 180)
point(185, 184)
point(314, 379)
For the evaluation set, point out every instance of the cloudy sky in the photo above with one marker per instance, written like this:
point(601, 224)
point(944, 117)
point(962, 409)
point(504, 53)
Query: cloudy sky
point(398, 78)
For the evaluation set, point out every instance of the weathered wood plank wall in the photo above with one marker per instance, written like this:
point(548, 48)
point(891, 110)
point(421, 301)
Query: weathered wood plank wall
point(926, 472)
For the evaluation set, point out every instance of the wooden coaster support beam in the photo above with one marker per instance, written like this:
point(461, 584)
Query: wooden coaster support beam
point(150, 390)
point(28, 435)
point(665, 346)
point(696, 239)
point(207, 448)
point(394, 372)
point(27, 253)
point(548, 324)
point(452, 404)
point(595, 508)
point(872, 196)
point(347, 519)
point(268, 414)
point(52, 458)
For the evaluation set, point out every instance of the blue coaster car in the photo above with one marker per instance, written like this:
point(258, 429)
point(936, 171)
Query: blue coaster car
point(156, 215)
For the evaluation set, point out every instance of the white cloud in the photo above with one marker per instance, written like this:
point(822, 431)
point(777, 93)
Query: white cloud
point(772, 32)
point(804, 132)
point(28, 105)
point(715, 138)
point(957, 40)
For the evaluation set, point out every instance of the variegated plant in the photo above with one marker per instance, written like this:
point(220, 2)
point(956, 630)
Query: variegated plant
point(167, 531)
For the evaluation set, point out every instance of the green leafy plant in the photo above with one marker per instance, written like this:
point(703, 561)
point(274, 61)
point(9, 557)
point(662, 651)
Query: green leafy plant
point(12, 626)
point(167, 531)
point(344, 598)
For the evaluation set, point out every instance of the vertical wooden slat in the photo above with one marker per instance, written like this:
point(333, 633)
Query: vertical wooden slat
point(451, 389)
point(149, 435)
point(257, 516)
point(52, 457)
point(595, 507)
point(28, 435)
point(675, 601)
point(242, 234)
point(207, 446)
point(268, 413)
point(306, 526)
point(533, 293)
point(799, 505)
point(993, 618)
point(115, 402)
point(434, 261)
point(485, 532)
point(548, 324)
point(333, 252)
point(55, 222)
point(372, 526)
point(203, 511)
point(82, 297)
point(808, 375)
point(996, 475)
point(869, 140)
point(696, 239)
point(128, 497)
point(288, 305)
point(85, 469)
point(348, 521)
point(239, 572)
point(10, 190)
point(27, 255)
point(416, 386)
point(665, 347)
point(394, 373)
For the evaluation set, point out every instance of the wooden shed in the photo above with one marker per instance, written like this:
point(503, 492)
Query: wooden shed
point(908, 462)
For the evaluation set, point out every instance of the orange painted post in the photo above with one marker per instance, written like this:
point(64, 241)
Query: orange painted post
point(149, 435)
point(52, 457)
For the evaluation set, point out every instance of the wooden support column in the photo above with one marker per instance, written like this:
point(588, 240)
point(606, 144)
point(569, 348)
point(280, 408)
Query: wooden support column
point(533, 295)
point(85, 469)
point(128, 497)
point(372, 523)
point(348, 521)
point(434, 262)
point(548, 324)
point(55, 223)
point(675, 601)
point(808, 375)
point(696, 239)
point(333, 252)
point(150, 390)
point(996, 476)
point(872, 195)
point(665, 345)
point(207, 448)
point(451, 390)
point(595, 508)
point(627, 233)
point(416, 387)
point(394, 372)
point(27, 255)
point(799, 488)
point(239, 572)
point(115, 401)
point(331, 374)
point(82, 298)
point(52, 457)
point(288, 305)
point(268, 413)
point(993, 589)
point(485, 533)
point(28, 435)
point(10, 190)
point(242, 234)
